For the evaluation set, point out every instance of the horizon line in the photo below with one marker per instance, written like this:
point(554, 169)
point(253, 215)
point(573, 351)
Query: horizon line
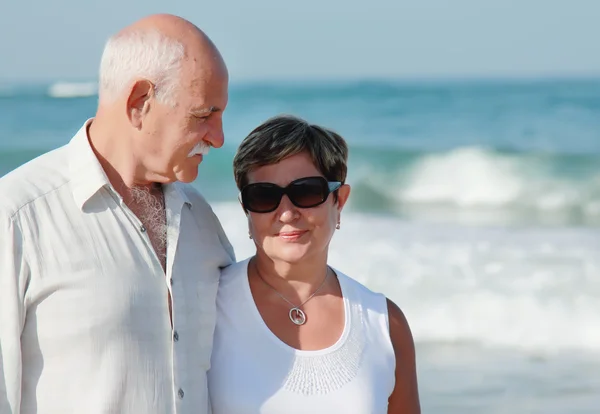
point(512, 77)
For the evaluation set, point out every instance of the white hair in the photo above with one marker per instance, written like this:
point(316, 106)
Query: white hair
point(144, 54)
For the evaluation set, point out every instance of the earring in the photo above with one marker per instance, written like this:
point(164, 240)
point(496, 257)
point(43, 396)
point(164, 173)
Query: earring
point(337, 226)
point(249, 235)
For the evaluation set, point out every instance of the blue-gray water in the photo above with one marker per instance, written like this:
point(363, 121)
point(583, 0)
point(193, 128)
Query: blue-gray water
point(512, 153)
point(475, 206)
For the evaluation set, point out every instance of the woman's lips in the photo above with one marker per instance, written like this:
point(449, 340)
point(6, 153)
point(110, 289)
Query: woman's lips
point(291, 235)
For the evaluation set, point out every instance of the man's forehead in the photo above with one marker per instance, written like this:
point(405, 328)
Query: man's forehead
point(205, 77)
point(206, 88)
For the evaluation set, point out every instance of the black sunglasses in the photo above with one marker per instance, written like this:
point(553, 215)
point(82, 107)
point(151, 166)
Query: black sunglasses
point(304, 193)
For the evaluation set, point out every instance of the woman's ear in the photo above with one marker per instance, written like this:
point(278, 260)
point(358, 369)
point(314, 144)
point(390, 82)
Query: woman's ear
point(249, 227)
point(342, 196)
point(242, 204)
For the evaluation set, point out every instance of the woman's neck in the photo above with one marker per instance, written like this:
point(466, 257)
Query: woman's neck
point(291, 279)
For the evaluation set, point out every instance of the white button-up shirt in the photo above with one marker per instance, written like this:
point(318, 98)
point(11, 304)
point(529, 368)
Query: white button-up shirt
point(84, 318)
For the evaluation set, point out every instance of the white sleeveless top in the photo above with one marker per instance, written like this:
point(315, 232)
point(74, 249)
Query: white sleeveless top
point(252, 371)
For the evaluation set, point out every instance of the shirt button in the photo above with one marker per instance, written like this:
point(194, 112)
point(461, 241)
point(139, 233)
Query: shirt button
point(175, 336)
point(180, 393)
point(142, 228)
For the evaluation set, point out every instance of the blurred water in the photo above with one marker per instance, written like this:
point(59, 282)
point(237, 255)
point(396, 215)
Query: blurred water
point(475, 207)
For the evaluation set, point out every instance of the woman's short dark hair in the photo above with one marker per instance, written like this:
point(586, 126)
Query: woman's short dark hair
point(285, 135)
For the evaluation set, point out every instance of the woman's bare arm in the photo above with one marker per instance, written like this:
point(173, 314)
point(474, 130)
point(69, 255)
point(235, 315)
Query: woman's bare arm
point(405, 397)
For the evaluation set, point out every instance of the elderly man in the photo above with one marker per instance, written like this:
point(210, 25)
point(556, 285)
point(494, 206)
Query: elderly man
point(109, 260)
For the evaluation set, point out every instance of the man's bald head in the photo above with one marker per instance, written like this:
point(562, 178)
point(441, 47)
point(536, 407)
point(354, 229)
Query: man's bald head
point(164, 49)
point(163, 91)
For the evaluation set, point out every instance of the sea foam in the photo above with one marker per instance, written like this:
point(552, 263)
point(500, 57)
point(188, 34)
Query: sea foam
point(533, 290)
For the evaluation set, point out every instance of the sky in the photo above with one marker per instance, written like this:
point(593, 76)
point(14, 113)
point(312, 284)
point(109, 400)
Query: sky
point(320, 39)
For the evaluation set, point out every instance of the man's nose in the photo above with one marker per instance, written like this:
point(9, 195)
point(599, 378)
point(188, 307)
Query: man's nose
point(215, 135)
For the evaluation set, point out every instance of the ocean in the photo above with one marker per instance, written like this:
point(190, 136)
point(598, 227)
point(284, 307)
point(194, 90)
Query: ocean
point(475, 206)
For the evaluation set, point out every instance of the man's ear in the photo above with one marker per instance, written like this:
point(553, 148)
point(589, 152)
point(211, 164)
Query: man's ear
point(138, 102)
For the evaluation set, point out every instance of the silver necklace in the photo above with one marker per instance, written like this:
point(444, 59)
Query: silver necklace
point(297, 315)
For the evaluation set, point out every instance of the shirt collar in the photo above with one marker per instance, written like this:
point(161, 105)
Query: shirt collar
point(182, 193)
point(88, 176)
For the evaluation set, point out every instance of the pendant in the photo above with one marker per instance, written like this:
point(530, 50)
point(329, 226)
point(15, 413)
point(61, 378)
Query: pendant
point(297, 316)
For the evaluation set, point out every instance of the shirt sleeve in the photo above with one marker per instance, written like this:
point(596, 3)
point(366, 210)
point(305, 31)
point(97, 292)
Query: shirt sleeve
point(224, 240)
point(13, 271)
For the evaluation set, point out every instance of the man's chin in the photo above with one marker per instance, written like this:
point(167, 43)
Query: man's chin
point(187, 176)
point(197, 158)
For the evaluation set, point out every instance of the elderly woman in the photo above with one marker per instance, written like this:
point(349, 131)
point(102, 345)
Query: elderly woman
point(293, 334)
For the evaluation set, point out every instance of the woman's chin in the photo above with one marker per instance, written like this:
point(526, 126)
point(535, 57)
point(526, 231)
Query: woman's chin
point(290, 254)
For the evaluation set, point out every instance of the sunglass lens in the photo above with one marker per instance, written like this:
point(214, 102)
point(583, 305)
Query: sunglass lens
point(309, 192)
point(261, 197)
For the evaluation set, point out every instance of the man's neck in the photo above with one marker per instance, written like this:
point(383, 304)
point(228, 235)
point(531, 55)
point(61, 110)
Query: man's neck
point(113, 151)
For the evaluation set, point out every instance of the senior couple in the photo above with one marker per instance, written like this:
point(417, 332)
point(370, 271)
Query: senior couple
point(120, 292)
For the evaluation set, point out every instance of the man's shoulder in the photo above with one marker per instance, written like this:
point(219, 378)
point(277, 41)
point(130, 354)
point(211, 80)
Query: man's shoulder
point(195, 197)
point(199, 205)
point(204, 215)
point(32, 180)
